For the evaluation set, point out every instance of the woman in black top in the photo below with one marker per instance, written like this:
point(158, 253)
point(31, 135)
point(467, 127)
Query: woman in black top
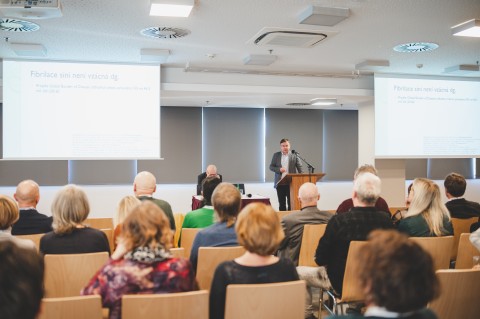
point(70, 208)
point(259, 231)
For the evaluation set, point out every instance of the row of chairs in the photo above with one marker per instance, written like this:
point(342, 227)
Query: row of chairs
point(284, 300)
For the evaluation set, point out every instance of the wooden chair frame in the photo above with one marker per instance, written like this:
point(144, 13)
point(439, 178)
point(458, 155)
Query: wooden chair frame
point(310, 238)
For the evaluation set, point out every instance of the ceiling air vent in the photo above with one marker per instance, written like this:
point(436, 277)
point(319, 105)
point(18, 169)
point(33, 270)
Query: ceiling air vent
point(291, 38)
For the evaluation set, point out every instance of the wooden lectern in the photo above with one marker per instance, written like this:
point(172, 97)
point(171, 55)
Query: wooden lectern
point(295, 181)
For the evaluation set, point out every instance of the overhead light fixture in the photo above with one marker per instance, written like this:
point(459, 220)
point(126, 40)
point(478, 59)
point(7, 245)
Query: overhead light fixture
point(171, 8)
point(154, 55)
point(326, 16)
point(415, 47)
point(259, 59)
point(321, 101)
point(28, 49)
point(469, 28)
point(463, 69)
point(372, 65)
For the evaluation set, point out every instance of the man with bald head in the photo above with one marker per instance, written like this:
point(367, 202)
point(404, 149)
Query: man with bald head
point(211, 171)
point(144, 185)
point(293, 223)
point(31, 221)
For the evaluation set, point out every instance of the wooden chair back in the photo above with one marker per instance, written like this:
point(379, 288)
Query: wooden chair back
point(33, 237)
point(99, 223)
point(440, 248)
point(283, 300)
point(460, 226)
point(178, 223)
point(283, 213)
point(109, 233)
point(351, 289)
point(393, 210)
point(459, 294)
point(188, 235)
point(208, 260)
point(178, 252)
point(80, 307)
point(310, 238)
point(66, 275)
point(466, 251)
point(180, 305)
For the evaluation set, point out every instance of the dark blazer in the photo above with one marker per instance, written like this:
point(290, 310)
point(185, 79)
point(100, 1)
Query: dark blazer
point(32, 222)
point(462, 208)
point(201, 177)
point(294, 165)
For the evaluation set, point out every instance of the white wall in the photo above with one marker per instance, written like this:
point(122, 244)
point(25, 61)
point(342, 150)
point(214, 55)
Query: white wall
point(104, 199)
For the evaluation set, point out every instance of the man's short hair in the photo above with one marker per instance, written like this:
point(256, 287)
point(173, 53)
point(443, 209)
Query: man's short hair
point(208, 186)
point(258, 229)
point(21, 281)
point(455, 184)
point(398, 273)
point(226, 200)
point(368, 187)
point(308, 192)
point(145, 182)
point(283, 140)
point(367, 168)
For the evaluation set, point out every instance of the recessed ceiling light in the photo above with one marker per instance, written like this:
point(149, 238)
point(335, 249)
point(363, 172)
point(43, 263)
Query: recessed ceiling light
point(323, 101)
point(171, 8)
point(469, 28)
point(14, 25)
point(415, 47)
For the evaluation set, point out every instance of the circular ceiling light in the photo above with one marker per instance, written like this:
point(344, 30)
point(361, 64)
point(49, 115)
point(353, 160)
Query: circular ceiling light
point(164, 32)
point(14, 25)
point(416, 47)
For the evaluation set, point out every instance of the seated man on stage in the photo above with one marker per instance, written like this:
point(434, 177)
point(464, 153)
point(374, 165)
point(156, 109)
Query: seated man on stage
point(210, 171)
point(284, 162)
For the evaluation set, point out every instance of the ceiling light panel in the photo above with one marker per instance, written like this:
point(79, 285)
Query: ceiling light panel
point(259, 59)
point(470, 28)
point(171, 8)
point(325, 16)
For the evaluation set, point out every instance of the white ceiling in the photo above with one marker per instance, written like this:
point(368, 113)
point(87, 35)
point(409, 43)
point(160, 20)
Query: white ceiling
point(109, 30)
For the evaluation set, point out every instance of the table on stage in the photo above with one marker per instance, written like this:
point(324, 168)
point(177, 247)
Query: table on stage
point(197, 200)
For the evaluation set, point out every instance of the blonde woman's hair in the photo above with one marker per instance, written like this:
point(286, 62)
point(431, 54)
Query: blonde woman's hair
point(9, 213)
point(258, 229)
point(124, 208)
point(427, 202)
point(146, 226)
point(70, 208)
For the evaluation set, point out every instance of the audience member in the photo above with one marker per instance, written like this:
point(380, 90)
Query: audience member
point(396, 287)
point(427, 216)
point(31, 221)
point(21, 282)
point(70, 208)
point(455, 185)
point(124, 208)
point(293, 223)
point(347, 204)
point(211, 171)
point(475, 239)
point(142, 262)
point(226, 201)
point(259, 231)
point(284, 162)
point(203, 217)
point(144, 185)
point(8, 216)
point(341, 229)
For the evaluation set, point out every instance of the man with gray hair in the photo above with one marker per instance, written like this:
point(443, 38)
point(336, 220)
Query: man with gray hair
point(341, 229)
point(293, 223)
point(31, 221)
point(144, 185)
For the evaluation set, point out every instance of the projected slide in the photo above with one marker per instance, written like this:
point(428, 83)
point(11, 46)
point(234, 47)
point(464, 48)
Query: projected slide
point(58, 110)
point(426, 118)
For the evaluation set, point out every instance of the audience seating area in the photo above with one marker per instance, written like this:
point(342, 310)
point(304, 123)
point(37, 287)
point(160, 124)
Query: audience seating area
point(79, 307)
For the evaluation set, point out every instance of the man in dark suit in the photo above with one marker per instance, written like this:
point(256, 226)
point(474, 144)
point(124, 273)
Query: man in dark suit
point(455, 185)
point(210, 171)
point(31, 221)
point(284, 162)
